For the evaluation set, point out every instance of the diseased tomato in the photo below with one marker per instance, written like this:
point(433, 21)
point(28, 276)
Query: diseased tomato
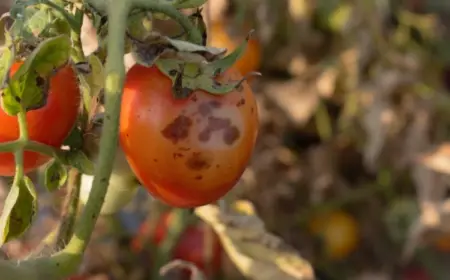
point(338, 232)
point(48, 125)
point(190, 247)
point(250, 60)
point(187, 152)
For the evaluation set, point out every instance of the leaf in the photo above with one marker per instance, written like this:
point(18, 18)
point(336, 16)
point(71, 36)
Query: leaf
point(79, 160)
point(95, 78)
point(28, 87)
point(19, 210)
point(257, 253)
point(55, 175)
point(155, 45)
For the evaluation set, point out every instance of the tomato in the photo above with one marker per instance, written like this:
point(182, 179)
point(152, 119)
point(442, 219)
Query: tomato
point(48, 125)
point(250, 60)
point(191, 244)
point(186, 152)
point(338, 231)
point(414, 273)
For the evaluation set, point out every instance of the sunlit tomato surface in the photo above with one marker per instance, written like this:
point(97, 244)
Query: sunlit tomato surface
point(190, 247)
point(250, 60)
point(338, 231)
point(186, 152)
point(49, 125)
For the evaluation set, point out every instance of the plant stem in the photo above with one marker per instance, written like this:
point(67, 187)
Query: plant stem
point(69, 209)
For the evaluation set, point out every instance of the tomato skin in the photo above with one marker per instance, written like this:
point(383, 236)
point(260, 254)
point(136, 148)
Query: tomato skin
point(190, 247)
point(220, 38)
point(186, 152)
point(339, 233)
point(48, 125)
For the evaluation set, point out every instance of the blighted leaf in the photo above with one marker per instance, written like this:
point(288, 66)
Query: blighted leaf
point(178, 265)
point(28, 87)
point(155, 45)
point(257, 253)
point(79, 160)
point(55, 175)
point(188, 77)
point(18, 211)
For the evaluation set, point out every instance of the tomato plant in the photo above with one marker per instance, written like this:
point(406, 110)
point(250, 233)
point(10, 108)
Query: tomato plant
point(220, 37)
point(338, 232)
point(48, 125)
point(190, 246)
point(186, 152)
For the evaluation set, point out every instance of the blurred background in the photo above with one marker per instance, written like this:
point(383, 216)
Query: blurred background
point(352, 161)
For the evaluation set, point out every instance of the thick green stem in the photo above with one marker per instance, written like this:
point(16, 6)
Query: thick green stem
point(115, 76)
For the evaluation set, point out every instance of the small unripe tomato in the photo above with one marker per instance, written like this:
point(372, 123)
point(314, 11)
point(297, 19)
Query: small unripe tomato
point(220, 37)
point(186, 152)
point(48, 125)
point(338, 232)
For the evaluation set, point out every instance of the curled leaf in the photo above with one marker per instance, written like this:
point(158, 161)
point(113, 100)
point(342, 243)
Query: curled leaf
point(19, 210)
point(28, 87)
point(155, 45)
point(257, 253)
point(55, 175)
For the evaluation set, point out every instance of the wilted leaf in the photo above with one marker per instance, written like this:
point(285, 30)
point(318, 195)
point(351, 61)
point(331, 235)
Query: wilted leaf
point(55, 175)
point(28, 87)
point(257, 254)
point(19, 210)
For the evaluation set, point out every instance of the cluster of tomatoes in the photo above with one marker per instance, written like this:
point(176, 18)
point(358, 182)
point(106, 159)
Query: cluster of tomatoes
point(186, 152)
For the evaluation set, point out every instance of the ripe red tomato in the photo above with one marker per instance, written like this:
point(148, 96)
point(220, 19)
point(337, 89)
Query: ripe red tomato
point(190, 247)
point(49, 125)
point(186, 152)
point(250, 60)
point(338, 231)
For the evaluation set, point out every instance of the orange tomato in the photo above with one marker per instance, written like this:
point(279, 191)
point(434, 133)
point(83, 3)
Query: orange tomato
point(219, 37)
point(338, 232)
point(186, 152)
point(48, 125)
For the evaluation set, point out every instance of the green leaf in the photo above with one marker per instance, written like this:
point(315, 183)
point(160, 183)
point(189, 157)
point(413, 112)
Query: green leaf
point(79, 160)
point(96, 77)
point(55, 175)
point(28, 87)
point(18, 211)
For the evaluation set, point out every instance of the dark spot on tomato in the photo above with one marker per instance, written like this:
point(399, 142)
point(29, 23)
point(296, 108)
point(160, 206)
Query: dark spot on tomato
point(204, 109)
point(230, 135)
point(198, 161)
point(215, 104)
point(252, 109)
point(177, 155)
point(204, 135)
point(217, 166)
point(199, 177)
point(194, 98)
point(184, 149)
point(241, 102)
point(178, 129)
point(155, 160)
